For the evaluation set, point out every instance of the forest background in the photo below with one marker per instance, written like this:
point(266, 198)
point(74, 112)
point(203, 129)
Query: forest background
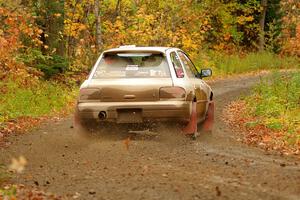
point(47, 47)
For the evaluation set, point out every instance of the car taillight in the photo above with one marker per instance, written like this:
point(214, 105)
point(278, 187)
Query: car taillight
point(89, 94)
point(171, 92)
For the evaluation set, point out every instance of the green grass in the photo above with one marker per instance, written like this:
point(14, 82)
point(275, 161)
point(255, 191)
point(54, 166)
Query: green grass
point(223, 64)
point(276, 103)
point(4, 176)
point(35, 100)
point(8, 193)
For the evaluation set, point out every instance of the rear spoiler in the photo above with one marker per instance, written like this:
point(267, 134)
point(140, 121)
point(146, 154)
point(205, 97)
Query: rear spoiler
point(133, 51)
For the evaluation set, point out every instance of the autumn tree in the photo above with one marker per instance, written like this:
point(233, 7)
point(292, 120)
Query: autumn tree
point(71, 33)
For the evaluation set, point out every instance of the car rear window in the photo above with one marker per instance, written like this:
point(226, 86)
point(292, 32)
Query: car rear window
point(132, 65)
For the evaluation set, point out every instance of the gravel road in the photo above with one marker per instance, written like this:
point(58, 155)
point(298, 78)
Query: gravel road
point(157, 165)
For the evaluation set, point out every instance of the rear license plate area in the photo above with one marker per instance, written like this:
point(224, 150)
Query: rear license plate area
point(129, 116)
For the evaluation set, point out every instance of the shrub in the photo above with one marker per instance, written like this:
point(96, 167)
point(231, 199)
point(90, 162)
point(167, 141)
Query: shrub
point(56, 64)
point(50, 65)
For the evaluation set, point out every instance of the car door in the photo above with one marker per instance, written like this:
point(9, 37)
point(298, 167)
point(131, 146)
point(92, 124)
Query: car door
point(199, 91)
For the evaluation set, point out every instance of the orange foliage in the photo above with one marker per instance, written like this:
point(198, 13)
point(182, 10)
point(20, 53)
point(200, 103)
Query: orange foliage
point(292, 45)
point(291, 30)
point(14, 25)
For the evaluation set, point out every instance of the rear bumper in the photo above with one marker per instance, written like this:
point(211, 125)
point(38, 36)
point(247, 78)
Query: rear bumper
point(153, 111)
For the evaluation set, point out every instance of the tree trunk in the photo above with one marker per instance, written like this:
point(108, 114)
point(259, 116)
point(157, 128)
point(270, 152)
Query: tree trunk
point(118, 8)
point(53, 25)
point(264, 4)
point(98, 26)
point(25, 2)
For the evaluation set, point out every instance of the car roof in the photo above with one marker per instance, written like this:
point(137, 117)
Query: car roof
point(133, 48)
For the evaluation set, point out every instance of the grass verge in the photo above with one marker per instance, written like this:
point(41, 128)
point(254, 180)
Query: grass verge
point(224, 64)
point(25, 192)
point(270, 116)
point(21, 104)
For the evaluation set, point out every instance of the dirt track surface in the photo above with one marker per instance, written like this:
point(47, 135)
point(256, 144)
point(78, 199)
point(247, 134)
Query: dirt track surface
point(161, 165)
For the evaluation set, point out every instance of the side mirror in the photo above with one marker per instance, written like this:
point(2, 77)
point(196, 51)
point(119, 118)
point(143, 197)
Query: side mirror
point(205, 73)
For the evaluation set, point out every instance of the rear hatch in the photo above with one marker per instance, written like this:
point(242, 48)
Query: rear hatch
point(131, 76)
point(124, 90)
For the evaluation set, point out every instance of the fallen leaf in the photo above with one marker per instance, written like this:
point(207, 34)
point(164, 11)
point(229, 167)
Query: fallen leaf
point(76, 195)
point(18, 165)
point(92, 192)
point(126, 143)
point(218, 191)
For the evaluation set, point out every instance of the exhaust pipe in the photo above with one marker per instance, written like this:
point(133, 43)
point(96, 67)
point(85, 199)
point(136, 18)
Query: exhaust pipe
point(102, 115)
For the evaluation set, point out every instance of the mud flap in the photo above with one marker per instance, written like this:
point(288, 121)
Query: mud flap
point(76, 120)
point(209, 121)
point(191, 128)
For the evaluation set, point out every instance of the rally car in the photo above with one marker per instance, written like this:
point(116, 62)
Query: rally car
point(133, 84)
